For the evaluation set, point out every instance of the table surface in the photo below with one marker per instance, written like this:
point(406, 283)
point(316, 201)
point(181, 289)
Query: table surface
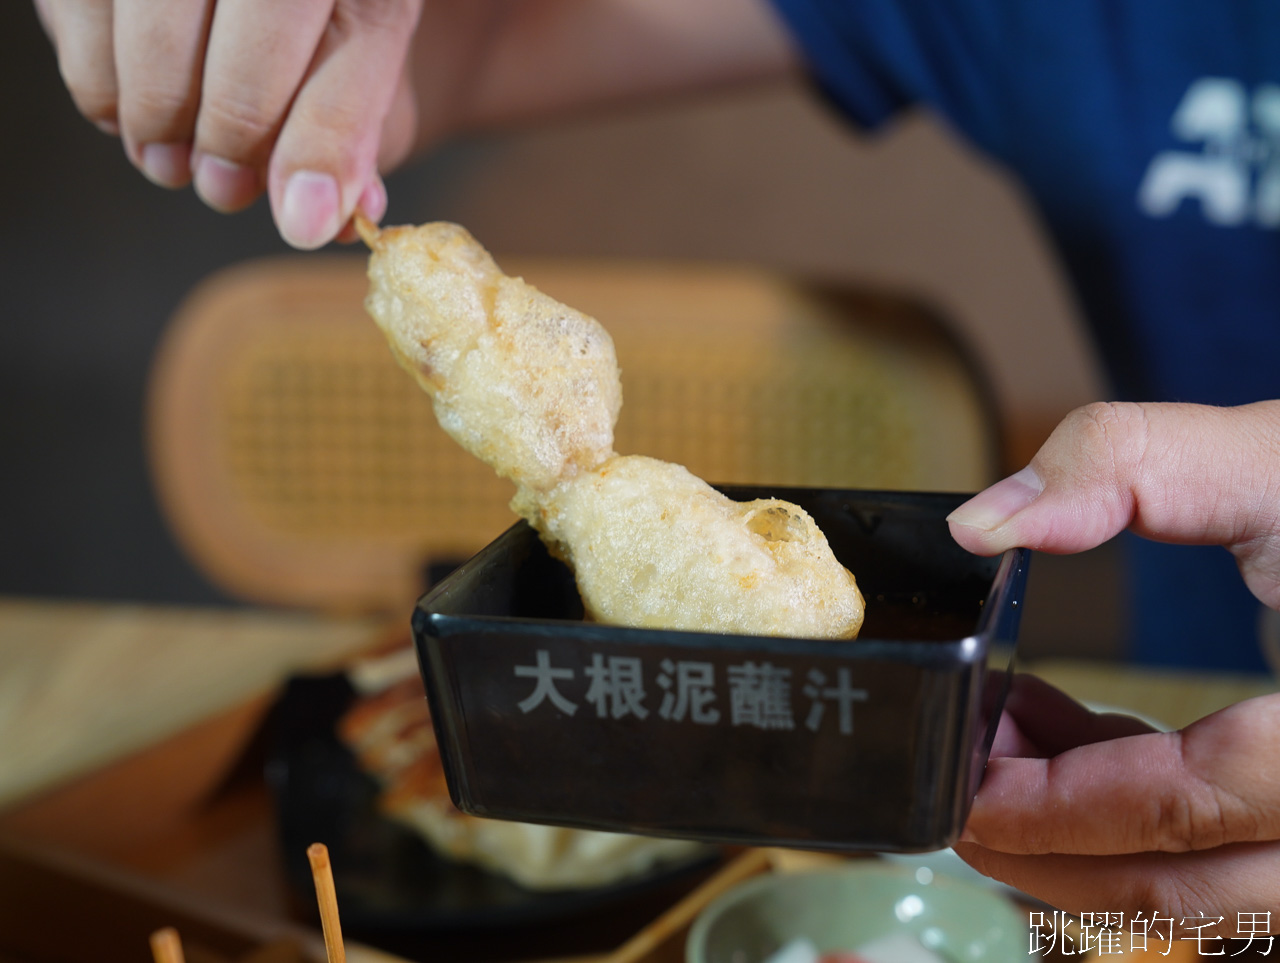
point(84, 685)
point(1174, 698)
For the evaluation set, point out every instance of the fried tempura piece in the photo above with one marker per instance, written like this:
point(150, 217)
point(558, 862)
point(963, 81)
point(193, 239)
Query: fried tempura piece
point(653, 545)
point(531, 387)
point(524, 383)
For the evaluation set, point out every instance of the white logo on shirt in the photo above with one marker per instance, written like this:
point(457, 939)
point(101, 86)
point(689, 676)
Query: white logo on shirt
point(1235, 175)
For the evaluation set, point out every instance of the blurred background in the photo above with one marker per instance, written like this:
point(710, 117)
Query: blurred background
point(96, 260)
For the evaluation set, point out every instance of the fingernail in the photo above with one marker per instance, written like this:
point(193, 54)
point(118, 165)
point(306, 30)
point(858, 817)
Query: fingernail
point(373, 202)
point(108, 127)
point(309, 212)
point(224, 185)
point(168, 165)
point(990, 509)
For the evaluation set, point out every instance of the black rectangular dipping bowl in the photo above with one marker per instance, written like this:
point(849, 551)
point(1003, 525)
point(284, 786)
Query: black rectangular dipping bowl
point(873, 744)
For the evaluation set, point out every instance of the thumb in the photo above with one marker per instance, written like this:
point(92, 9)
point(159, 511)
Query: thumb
point(1191, 474)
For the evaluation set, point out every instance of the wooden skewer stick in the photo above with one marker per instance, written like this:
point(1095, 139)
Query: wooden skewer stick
point(166, 947)
point(327, 897)
point(369, 232)
point(666, 928)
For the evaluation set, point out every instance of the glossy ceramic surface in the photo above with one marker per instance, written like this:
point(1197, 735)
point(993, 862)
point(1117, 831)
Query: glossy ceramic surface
point(873, 744)
point(842, 910)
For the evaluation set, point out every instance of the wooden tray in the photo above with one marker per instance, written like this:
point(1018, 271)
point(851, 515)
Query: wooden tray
point(171, 835)
point(183, 833)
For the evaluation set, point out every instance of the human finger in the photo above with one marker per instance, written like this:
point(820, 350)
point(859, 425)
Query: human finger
point(81, 31)
point(396, 140)
point(257, 56)
point(1184, 473)
point(327, 152)
point(159, 54)
point(1047, 721)
point(43, 15)
point(1209, 785)
point(1183, 888)
point(400, 127)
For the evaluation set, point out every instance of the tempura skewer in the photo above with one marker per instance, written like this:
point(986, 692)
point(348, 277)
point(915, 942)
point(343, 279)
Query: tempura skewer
point(532, 387)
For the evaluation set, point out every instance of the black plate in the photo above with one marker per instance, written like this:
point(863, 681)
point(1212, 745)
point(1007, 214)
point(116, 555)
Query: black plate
point(388, 880)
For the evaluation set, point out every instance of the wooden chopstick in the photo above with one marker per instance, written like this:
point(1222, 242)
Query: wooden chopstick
point(327, 897)
point(166, 947)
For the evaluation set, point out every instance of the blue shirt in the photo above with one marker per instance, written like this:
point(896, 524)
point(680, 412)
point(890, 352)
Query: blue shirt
point(1147, 133)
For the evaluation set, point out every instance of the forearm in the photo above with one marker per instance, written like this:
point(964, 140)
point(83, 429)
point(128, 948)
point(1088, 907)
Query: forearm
point(310, 100)
point(526, 60)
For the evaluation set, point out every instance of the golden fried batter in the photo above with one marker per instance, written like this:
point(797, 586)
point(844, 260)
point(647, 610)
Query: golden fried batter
point(531, 387)
point(653, 545)
point(524, 383)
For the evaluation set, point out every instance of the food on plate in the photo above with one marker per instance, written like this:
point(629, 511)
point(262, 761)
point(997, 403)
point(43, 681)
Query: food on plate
point(389, 732)
point(532, 388)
